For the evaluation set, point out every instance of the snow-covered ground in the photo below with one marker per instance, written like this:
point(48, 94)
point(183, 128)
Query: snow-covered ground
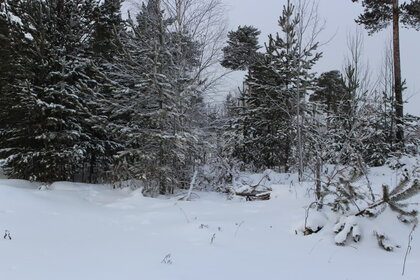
point(79, 231)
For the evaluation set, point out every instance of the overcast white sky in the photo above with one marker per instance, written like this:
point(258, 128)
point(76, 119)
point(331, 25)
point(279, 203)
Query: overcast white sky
point(339, 16)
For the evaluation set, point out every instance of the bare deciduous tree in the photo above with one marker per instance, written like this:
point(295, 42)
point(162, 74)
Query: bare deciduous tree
point(357, 74)
point(204, 21)
point(308, 29)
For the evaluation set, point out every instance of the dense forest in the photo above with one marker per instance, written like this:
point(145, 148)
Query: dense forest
point(88, 95)
point(110, 112)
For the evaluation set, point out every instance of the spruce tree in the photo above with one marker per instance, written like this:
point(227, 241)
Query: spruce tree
point(56, 98)
point(8, 67)
point(5, 50)
point(161, 138)
point(108, 24)
point(107, 51)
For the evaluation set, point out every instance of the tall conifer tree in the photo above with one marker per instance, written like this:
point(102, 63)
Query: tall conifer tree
point(161, 139)
point(377, 15)
point(270, 105)
point(56, 98)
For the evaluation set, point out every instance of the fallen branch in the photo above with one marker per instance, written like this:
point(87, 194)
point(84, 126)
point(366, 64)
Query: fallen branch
point(251, 196)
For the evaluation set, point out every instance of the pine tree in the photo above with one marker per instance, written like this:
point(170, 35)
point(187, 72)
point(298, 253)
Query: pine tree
point(240, 53)
point(241, 50)
point(378, 14)
point(331, 105)
point(332, 92)
point(269, 117)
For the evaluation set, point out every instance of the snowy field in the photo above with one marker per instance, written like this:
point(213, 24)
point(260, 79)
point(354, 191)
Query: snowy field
point(79, 231)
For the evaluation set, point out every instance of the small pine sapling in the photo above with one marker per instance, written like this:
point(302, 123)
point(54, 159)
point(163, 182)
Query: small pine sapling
point(396, 198)
point(353, 201)
point(345, 192)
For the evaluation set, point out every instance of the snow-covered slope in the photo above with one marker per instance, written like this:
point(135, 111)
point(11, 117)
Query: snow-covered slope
point(78, 231)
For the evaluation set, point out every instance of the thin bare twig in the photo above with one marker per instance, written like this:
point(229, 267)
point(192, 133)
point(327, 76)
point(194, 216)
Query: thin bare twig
point(238, 226)
point(410, 238)
point(183, 212)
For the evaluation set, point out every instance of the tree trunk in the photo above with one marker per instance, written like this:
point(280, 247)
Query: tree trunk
point(398, 103)
point(318, 171)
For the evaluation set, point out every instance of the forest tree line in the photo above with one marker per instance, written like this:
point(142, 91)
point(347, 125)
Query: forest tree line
point(87, 96)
